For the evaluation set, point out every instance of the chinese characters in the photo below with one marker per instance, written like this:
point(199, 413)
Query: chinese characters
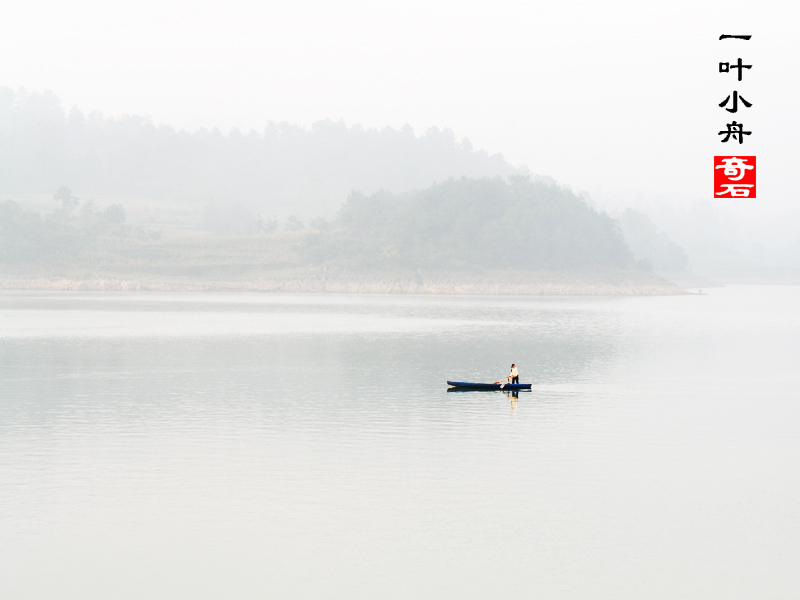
point(735, 176)
point(735, 131)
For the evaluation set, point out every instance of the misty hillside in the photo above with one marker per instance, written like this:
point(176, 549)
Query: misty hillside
point(486, 223)
point(465, 225)
point(282, 169)
point(651, 245)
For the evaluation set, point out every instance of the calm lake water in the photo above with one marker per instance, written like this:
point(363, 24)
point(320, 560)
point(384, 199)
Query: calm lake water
point(209, 446)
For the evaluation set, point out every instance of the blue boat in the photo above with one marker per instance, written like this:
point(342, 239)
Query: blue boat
point(475, 387)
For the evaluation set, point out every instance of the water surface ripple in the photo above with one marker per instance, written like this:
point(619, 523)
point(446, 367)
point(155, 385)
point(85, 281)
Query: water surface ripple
point(275, 446)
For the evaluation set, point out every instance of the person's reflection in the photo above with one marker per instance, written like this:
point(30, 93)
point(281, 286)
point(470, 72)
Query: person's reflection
point(513, 395)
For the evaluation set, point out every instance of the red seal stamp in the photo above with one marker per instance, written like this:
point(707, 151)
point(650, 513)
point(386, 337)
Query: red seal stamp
point(734, 176)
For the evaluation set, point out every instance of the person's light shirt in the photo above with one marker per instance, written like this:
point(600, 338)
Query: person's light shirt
point(514, 372)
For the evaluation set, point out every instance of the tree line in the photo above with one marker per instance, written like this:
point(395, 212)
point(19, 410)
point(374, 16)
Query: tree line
point(517, 223)
point(27, 237)
point(283, 168)
point(488, 223)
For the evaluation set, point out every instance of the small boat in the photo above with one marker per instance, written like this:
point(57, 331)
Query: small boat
point(506, 387)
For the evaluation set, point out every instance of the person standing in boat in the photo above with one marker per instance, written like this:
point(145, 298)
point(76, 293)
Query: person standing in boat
point(514, 377)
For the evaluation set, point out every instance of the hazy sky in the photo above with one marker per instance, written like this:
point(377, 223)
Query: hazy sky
point(610, 97)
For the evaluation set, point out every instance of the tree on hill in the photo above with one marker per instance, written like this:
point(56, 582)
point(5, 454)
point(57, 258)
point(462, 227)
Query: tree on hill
point(27, 238)
point(475, 223)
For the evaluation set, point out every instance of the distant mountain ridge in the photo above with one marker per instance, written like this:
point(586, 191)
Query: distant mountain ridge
point(282, 169)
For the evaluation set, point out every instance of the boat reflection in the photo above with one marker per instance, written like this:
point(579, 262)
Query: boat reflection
point(510, 393)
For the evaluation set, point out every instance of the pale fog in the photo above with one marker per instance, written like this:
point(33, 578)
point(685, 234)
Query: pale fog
point(254, 258)
point(616, 101)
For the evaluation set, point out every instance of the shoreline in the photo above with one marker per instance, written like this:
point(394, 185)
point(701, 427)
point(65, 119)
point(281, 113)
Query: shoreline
point(524, 284)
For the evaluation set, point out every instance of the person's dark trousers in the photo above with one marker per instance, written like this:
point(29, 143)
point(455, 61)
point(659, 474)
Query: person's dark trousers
point(515, 380)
